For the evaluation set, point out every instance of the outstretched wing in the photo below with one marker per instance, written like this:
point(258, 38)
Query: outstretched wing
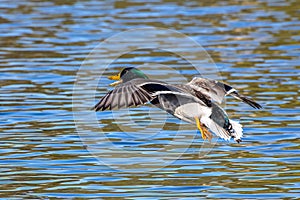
point(217, 91)
point(124, 95)
point(134, 93)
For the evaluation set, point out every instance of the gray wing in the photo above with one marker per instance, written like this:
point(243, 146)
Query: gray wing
point(217, 91)
point(125, 95)
point(140, 91)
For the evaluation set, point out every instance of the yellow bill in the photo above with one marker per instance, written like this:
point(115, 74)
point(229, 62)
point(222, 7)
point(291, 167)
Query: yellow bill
point(117, 78)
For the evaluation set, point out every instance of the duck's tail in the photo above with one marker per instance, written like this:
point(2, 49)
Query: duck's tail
point(222, 126)
point(233, 130)
point(237, 133)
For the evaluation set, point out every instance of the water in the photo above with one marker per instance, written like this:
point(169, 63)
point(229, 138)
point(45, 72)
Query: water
point(256, 48)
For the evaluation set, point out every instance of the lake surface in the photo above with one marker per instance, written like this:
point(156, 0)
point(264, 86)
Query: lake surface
point(52, 69)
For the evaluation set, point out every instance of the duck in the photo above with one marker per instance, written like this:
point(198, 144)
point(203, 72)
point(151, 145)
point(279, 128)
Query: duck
point(197, 102)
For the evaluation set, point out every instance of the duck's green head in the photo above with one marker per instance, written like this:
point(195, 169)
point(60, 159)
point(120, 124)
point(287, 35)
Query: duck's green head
point(127, 74)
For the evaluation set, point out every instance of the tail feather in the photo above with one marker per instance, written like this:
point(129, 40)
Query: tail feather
point(237, 134)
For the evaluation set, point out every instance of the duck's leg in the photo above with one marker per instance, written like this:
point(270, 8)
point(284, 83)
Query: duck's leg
point(204, 132)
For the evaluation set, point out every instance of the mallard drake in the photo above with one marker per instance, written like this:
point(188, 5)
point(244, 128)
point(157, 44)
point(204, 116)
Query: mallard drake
point(196, 102)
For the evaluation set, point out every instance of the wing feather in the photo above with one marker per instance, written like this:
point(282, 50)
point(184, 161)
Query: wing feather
point(217, 91)
point(125, 95)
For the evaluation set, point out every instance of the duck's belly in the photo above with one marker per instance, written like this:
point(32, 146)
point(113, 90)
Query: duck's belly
point(189, 111)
